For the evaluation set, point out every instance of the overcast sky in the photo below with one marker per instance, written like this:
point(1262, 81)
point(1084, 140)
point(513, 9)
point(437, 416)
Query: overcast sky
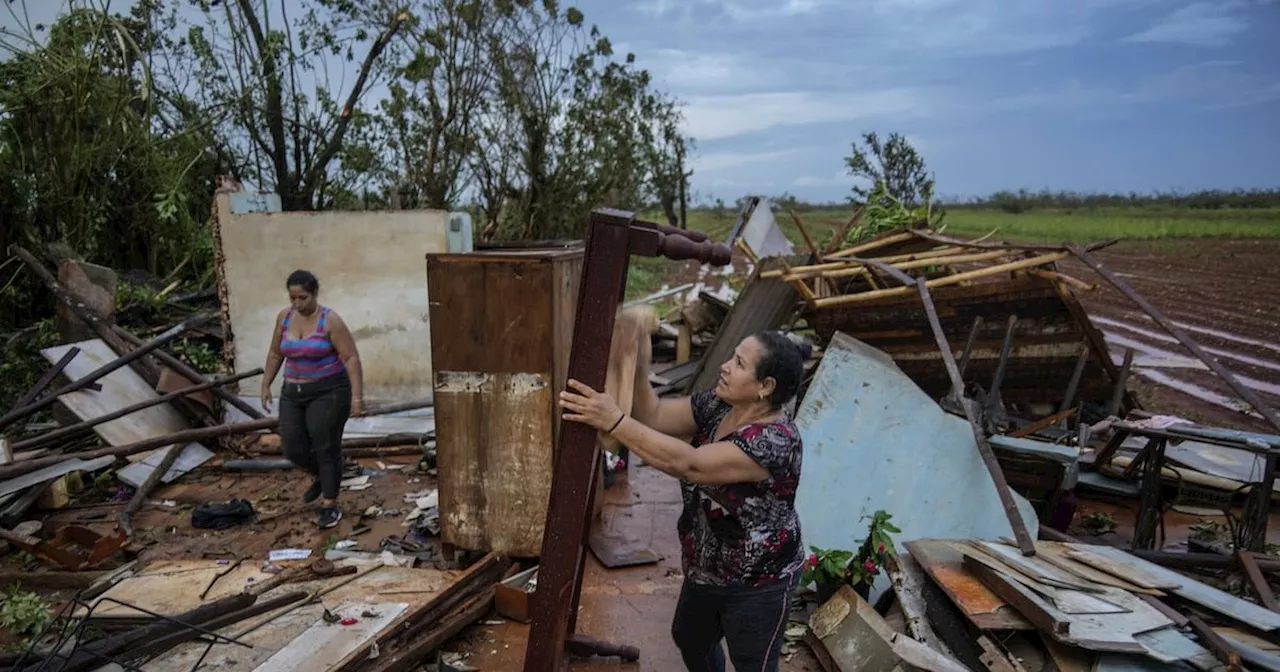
point(1105, 95)
point(1093, 95)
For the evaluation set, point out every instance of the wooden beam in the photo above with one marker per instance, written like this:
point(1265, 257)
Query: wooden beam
point(850, 299)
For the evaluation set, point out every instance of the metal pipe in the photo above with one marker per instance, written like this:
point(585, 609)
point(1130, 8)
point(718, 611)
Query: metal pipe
point(122, 361)
point(191, 374)
point(71, 430)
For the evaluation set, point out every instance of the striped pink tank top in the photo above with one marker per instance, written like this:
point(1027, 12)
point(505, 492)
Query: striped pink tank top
point(312, 357)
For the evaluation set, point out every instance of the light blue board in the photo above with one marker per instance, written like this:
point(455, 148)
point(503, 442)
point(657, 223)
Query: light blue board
point(874, 440)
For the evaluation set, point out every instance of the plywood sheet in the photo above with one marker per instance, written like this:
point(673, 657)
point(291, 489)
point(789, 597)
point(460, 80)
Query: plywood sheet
point(324, 645)
point(271, 632)
point(371, 267)
point(942, 562)
point(120, 388)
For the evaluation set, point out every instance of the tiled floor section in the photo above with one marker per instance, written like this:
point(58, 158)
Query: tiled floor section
point(627, 606)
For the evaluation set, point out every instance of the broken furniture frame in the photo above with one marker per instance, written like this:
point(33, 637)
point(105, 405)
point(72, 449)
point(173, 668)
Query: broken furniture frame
point(1149, 464)
point(73, 547)
point(1025, 543)
point(612, 236)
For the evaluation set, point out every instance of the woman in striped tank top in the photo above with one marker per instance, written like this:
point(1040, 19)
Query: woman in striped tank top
point(322, 387)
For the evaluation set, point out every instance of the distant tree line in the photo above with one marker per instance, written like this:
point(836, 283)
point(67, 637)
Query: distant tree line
point(1024, 200)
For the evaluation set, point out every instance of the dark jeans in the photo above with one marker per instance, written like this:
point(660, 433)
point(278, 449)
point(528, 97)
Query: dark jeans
point(312, 416)
point(751, 620)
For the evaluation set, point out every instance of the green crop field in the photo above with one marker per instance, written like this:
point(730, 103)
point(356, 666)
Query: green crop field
point(1050, 225)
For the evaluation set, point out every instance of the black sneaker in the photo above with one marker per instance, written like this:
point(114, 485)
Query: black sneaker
point(329, 517)
point(312, 493)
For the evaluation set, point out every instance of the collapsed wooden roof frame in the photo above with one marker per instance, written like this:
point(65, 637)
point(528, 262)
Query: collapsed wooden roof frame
point(954, 251)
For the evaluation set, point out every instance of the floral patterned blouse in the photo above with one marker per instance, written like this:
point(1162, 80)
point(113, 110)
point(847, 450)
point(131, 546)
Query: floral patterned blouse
point(743, 533)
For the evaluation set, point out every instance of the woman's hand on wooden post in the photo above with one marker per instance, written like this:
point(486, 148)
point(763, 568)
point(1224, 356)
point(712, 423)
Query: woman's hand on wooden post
point(589, 407)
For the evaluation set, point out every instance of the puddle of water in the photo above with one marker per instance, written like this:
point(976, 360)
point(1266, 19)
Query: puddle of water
point(1164, 355)
point(1228, 336)
point(1150, 352)
point(1166, 338)
point(1145, 362)
point(1201, 393)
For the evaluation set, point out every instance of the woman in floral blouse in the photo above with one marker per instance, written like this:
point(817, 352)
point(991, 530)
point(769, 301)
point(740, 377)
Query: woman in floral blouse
point(737, 455)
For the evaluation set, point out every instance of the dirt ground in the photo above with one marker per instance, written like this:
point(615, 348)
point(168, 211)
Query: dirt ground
point(165, 532)
point(1219, 291)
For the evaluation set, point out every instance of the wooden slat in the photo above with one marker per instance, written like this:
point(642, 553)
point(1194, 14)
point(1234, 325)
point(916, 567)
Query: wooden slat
point(764, 304)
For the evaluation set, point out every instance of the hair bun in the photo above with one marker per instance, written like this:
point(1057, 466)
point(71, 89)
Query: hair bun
point(803, 346)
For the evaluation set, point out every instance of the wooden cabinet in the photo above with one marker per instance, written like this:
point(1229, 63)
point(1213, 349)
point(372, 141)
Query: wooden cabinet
point(501, 328)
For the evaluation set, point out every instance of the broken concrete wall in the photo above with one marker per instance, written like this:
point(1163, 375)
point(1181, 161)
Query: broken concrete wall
point(874, 440)
point(372, 271)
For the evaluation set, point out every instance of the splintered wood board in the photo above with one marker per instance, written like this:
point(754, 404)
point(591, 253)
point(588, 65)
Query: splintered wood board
point(943, 563)
point(269, 633)
point(324, 645)
point(120, 388)
point(1055, 553)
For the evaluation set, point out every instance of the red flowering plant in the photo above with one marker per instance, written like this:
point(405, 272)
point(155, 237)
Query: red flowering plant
point(831, 567)
point(866, 565)
point(826, 566)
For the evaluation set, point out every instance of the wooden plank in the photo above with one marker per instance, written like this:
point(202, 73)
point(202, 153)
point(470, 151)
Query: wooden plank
point(323, 645)
point(1043, 615)
point(272, 631)
point(906, 576)
point(1190, 589)
point(1066, 600)
point(997, 269)
point(983, 608)
point(1091, 556)
point(1113, 632)
point(120, 388)
point(1055, 553)
point(1033, 567)
point(1259, 582)
point(765, 303)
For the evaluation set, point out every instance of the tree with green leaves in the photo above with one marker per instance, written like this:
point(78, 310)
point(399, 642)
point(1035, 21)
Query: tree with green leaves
point(427, 128)
point(893, 162)
point(569, 127)
point(85, 159)
point(260, 70)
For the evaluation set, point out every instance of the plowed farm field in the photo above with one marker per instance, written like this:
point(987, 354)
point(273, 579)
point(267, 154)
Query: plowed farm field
point(1224, 293)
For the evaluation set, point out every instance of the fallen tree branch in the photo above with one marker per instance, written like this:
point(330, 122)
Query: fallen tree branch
point(186, 436)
